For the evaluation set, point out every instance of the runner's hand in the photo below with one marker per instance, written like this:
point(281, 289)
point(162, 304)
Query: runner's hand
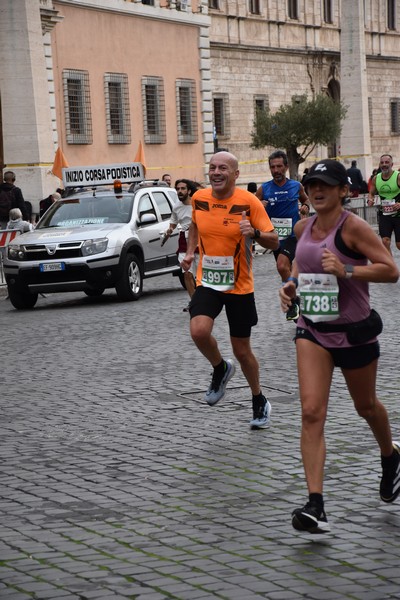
point(286, 294)
point(332, 264)
point(245, 226)
point(187, 262)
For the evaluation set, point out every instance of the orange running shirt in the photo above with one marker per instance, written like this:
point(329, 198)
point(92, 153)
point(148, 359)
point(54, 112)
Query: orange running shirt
point(217, 222)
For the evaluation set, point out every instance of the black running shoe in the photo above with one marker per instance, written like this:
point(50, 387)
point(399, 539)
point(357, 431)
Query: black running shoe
point(390, 482)
point(310, 518)
point(294, 311)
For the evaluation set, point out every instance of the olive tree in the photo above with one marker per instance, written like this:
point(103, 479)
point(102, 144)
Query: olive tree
point(298, 127)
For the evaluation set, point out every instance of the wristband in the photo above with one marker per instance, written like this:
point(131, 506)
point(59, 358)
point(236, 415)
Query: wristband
point(294, 279)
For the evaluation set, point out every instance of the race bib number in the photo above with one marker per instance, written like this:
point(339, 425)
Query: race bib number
point(283, 227)
point(319, 296)
point(388, 207)
point(218, 273)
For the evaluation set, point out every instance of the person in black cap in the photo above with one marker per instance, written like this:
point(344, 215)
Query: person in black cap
point(337, 255)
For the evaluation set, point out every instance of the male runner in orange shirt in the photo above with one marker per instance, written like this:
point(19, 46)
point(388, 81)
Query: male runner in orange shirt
point(225, 221)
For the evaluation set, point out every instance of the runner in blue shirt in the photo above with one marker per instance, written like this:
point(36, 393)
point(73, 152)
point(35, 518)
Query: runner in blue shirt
point(281, 197)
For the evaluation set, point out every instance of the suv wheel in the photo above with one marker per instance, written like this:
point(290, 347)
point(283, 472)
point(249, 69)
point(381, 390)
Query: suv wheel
point(130, 285)
point(21, 299)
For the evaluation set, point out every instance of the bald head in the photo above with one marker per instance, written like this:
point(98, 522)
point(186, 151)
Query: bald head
point(223, 172)
point(227, 157)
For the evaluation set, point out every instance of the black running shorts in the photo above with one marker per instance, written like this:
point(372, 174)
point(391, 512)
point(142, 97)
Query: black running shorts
point(388, 225)
point(354, 357)
point(287, 247)
point(240, 309)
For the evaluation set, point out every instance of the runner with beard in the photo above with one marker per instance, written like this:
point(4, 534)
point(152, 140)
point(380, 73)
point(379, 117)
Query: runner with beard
point(387, 185)
point(281, 197)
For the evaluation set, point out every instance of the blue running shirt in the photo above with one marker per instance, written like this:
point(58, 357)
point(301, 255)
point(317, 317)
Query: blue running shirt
point(283, 201)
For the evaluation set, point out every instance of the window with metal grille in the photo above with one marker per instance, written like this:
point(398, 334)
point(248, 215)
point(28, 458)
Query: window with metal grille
point(254, 7)
point(117, 108)
point(328, 13)
point(213, 4)
point(78, 117)
point(153, 100)
point(371, 123)
point(221, 118)
point(186, 110)
point(391, 14)
point(395, 115)
point(260, 103)
point(293, 9)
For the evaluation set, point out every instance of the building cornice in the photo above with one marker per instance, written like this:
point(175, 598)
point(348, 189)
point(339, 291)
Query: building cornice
point(49, 16)
point(138, 9)
point(237, 47)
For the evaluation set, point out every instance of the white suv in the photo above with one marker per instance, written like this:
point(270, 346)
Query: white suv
point(93, 240)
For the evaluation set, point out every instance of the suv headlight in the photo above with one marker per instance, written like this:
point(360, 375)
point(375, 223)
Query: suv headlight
point(15, 252)
point(90, 247)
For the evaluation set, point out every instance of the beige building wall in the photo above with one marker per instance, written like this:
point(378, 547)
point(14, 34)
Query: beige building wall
point(101, 40)
point(41, 38)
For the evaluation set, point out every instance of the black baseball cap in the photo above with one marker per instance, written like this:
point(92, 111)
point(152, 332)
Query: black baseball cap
point(329, 171)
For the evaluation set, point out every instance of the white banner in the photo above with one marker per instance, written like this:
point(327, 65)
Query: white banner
point(102, 174)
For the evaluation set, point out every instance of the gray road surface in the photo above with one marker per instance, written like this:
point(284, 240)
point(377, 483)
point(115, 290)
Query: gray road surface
point(118, 482)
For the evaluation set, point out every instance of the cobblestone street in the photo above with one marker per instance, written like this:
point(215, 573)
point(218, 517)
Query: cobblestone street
point(119, 482)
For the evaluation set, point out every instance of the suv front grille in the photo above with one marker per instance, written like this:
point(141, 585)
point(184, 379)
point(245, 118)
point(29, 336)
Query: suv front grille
point(61, 250)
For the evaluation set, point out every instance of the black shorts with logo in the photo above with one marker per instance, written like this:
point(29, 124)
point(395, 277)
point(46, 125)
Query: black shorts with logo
point(287, 247)
point(240, 309)
point(354, 357)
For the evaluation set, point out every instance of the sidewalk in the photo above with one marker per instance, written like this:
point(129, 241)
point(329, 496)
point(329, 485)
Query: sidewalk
point(119, 482)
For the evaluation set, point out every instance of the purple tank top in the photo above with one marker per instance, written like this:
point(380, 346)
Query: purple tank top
point(353, 294)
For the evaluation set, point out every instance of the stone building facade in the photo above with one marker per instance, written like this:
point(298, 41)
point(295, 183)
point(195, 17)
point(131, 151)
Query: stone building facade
point(263, 52)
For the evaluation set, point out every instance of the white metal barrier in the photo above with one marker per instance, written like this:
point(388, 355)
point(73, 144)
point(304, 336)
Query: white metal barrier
point(6, 235)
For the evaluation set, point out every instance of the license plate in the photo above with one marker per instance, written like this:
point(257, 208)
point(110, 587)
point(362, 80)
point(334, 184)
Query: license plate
point(46, 267)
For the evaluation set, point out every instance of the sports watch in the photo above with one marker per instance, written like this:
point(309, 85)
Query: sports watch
point(257, 234)
point(349, 269)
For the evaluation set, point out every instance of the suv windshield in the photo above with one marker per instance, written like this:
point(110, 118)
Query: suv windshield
point(75, 212)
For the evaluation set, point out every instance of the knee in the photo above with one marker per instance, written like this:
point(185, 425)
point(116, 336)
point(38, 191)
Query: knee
point(241, 354)
point(312, 415)
point(367, 410)
point(199, 334)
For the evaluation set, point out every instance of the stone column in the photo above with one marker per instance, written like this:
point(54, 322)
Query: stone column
point(28, 142)
point(355, 137)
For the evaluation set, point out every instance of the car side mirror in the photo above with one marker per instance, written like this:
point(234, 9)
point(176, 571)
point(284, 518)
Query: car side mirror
point(147, 218)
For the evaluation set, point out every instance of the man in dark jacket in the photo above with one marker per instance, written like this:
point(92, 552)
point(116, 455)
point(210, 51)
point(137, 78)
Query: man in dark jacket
point(11, 197)
point(356, 179)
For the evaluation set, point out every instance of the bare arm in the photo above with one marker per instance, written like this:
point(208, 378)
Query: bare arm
point(266, 239)
point(168, 233)
point(303, 197)
point(288, 290)
point(360, 237)
point(372, 192)
point(191, 247)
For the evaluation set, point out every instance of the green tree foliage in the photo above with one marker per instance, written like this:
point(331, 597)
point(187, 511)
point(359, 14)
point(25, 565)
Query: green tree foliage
point(298, 127)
